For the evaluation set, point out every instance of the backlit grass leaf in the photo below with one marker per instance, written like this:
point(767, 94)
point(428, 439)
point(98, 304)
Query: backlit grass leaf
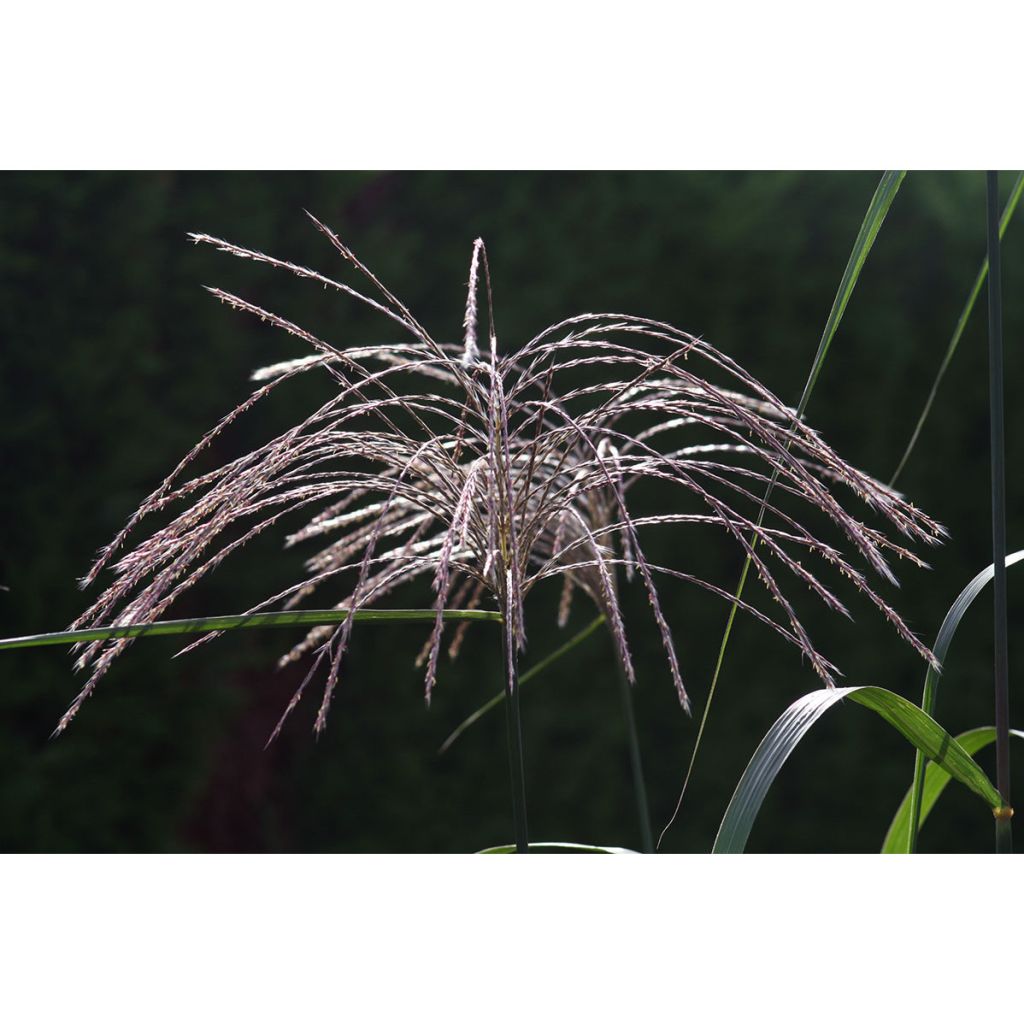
point(792, 725)
point(259, 620)
point(936, 778)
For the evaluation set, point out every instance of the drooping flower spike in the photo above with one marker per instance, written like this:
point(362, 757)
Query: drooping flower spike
point(490, 472)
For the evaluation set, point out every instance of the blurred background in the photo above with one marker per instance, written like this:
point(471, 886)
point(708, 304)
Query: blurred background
point(113, 362)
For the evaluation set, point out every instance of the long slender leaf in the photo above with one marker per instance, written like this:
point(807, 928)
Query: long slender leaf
point(534, 670)
point(947, 630)
point(792, 725)
point(936, 778)
point(560, 848)
point(885, 193)
point(259, 620)
point(961, 324)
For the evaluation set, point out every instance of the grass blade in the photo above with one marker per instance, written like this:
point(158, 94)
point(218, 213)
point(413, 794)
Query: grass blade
point(885, 193)
point(534, 670)
point(259, 620)
point(947, 630)
point(792, 725)
point(935, 781)
point(559, 848)
point(961, 324)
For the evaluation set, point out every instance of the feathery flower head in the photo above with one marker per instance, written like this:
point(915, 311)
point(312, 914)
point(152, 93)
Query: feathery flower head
point(491, 472)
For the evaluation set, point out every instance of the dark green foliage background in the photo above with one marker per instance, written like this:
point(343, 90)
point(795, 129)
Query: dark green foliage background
point(113, 362)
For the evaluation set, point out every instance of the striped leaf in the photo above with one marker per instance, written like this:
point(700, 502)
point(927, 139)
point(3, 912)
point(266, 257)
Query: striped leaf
point(792, 725)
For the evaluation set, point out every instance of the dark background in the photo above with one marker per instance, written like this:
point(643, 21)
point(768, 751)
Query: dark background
point(113, 362)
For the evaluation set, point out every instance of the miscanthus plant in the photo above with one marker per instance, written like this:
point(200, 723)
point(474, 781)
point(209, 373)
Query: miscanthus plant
point(488, 469)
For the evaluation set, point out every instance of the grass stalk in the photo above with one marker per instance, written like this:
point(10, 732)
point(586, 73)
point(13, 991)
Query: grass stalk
point(636, 764)
point(514, 727)
point(1004, 837)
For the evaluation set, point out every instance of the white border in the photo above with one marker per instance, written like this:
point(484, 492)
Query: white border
point(797, 938)
point(532, 85)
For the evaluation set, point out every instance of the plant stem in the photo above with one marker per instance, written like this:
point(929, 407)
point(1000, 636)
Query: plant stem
point(1004, 836)
point(515, 746)
point(639, 788)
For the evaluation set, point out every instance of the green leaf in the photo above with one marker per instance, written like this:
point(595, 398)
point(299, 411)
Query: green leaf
point(259, 620)
point(936, 778)
point(885, 193)
point(792, 725)
point(931, 680)
point(559, 848)
point(961, 324)
point(534, 670)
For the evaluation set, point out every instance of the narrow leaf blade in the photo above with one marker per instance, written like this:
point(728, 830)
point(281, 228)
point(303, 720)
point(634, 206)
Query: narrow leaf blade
point(259, 620)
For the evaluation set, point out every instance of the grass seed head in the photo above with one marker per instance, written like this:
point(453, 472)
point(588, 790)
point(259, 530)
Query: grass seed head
point(489, 473)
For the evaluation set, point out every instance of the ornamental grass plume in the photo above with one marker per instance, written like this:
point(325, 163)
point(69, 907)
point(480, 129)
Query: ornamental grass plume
point(490, 472)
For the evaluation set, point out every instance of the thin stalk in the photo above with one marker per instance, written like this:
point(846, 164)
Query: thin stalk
point(514, 727)
point(1004, 836)
point(639, 787)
